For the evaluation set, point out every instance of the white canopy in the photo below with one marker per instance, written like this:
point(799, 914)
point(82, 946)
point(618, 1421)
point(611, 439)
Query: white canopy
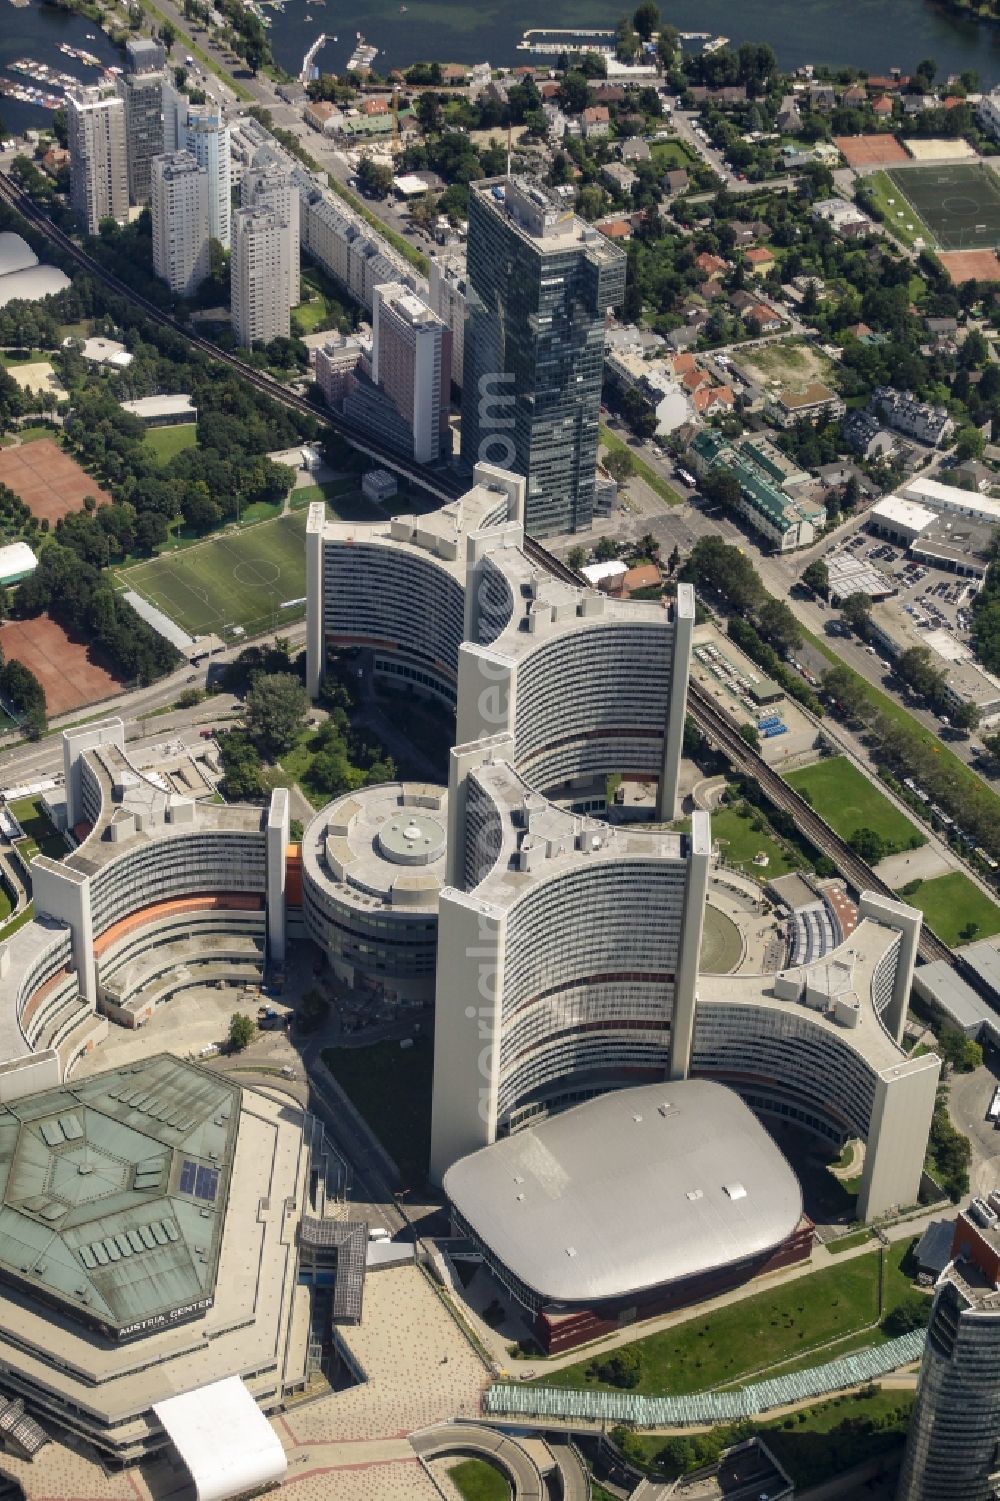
point(225, 1440)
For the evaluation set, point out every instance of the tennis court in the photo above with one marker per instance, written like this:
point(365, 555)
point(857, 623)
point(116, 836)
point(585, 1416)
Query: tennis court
point(240, 582)
point(960, 205)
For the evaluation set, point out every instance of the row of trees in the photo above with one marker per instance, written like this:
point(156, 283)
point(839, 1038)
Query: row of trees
point(85, 603)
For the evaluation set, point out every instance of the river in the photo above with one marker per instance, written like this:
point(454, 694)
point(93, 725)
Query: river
point(35, 32)
point(871, 34)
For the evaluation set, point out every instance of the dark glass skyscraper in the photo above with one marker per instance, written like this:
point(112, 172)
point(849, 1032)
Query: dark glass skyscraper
point(953, 1445)
point(540, 282)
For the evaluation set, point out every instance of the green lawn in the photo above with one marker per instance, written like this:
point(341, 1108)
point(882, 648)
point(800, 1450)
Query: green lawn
point(32, 434)
point(849, 801)
point(41, 835)
point(817, 1443)
point(614, 444)
point(739, 842)
point(253, 579)
point(391, 1087)
point(848, 1242)
point(168, 441)
point(762, 1330)
point(475, 1480)
point(951, 902)
point(29, 357)
point(883, 189)
point(668, 155)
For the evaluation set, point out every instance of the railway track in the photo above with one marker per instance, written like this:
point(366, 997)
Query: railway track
point(441, 484)
point(724, 733)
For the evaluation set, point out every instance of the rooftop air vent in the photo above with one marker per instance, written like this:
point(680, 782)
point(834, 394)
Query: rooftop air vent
point(694, 1194)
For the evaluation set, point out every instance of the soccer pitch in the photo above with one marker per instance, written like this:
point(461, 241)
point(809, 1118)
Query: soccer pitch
point(252, 580)
point(959, 205)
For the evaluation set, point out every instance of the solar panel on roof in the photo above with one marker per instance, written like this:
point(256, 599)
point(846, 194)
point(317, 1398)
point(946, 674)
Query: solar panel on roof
point(188, 1172)
point(206, 1184)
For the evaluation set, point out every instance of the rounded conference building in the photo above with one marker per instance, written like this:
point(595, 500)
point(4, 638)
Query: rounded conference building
point(373, 865)
point(639, 1201)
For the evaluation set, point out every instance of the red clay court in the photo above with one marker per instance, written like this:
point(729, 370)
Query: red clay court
point(870, 151)
point(50, 483)
point(971, 265)
point(63, 667)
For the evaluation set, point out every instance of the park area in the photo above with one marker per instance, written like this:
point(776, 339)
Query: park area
point(49, 481)
point(827, 1312)
point(167, 442)
point(960, 205)
point(848, 801)
point(70, 678)
point(954, 907)
point(241, 581)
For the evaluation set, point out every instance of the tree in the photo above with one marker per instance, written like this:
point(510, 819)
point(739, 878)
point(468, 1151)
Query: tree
point(751, 735)
point(912, 1313)
point(868, 845)
point(817, 578)
point(855, 611)
point(574, 92)
point(577, 557)
point(646, 19)
point(429, 112)
point(168, 36)
point(723, 488)
point(622, 1368)
point(626, 42)
point(277, 709)
point(620, 464)
point(374, 178)
point(969, 444)
point(778, 625)
point(242, 1030)
point(959, 1051)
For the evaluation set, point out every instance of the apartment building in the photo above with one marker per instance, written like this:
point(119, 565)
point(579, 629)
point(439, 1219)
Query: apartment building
point(141, 88)
point(98, 171)
point(260, 276)
point(179, 208)
point(204, 133)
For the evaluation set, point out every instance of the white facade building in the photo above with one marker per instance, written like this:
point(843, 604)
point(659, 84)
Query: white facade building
point(179, 207)
point(411, 364)
point(98, 156)
point(447, 298)
point(269, 187)
point(204, 133)
point(260, 275)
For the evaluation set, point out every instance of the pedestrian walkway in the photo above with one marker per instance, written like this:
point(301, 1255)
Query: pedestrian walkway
point(706, 1407)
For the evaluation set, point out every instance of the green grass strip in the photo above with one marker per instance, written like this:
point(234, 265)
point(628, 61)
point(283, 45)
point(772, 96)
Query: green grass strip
point(614, 444)
point(199, 52)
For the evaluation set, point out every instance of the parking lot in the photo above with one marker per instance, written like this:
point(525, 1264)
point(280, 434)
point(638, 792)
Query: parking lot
point(932, 599)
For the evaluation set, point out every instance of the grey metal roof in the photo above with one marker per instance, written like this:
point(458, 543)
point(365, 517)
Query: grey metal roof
point(113, 1191)
point(984, 957)
point(939, 983)
point(635, 1189)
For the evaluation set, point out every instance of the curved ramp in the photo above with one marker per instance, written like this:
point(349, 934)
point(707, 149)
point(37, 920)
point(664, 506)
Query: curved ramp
point(472, 1441)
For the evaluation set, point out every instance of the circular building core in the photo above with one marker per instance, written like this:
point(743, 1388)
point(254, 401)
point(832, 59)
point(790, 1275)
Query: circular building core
point(373, 864)
point(412, 838)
